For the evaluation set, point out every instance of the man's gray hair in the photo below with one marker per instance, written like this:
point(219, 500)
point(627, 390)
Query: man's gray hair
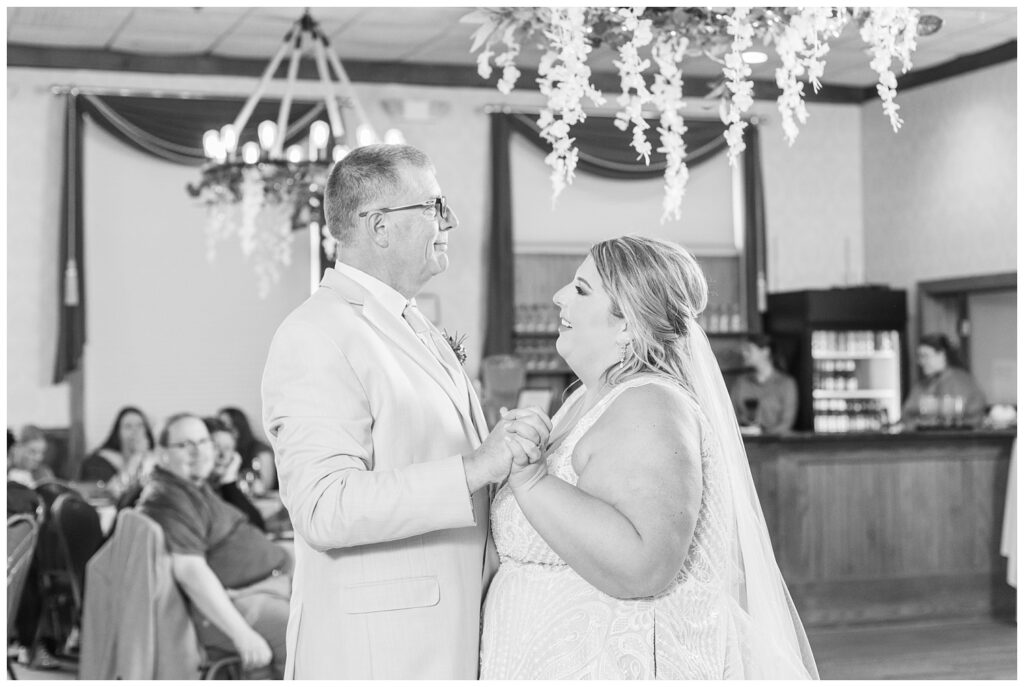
point(364, 177)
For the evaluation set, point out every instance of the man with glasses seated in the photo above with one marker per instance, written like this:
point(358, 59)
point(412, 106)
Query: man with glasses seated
point(237, 580)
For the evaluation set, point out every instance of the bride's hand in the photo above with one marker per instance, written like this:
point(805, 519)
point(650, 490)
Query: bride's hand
point(532, 424)
point(528, 464)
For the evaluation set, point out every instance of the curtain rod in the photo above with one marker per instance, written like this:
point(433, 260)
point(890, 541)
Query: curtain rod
point(63, 89)
point(503, 108)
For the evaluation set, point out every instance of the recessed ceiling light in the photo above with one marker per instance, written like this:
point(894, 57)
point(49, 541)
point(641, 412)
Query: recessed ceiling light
point(754, 57)
point(927, 24)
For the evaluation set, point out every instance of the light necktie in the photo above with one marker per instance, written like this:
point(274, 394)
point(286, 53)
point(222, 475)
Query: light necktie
point(419, 324)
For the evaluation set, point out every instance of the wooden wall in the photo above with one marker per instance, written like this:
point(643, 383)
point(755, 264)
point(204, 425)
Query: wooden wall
point(884, 527)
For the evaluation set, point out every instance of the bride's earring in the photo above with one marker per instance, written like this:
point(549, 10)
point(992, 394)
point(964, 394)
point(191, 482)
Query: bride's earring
point(622, 353)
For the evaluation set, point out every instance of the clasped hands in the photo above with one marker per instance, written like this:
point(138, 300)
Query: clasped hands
point(515, 447)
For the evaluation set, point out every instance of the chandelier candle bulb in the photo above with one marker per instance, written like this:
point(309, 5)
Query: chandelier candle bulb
point(211, 144)
point(267, 132)
point(365, 135)
point(319, 133)
point(294, 154)
point(229, 139)
point(250, 152)
point(394, 137)
point(339, 153)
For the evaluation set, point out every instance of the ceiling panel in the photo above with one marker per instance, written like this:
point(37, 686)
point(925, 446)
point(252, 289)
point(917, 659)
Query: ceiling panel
point(431, 35)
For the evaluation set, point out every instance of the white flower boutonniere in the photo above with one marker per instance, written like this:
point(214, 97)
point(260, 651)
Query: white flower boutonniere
point(458, 344)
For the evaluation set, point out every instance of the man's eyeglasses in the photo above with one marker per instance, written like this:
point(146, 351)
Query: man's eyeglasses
point(182, 445)
point(433, 208)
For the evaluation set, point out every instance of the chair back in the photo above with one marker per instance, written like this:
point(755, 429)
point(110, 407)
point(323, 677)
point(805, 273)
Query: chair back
point(22, 534)
point(23, 500)
point(79, 536)
point(135, 624)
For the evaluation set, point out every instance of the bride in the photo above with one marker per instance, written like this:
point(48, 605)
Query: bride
point(632, 544)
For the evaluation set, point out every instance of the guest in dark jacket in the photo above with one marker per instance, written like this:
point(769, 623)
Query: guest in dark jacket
point(256, 455)
point(124, 456)
point(224, 478)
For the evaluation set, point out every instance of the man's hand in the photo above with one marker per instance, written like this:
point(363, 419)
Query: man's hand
point(490, 463)
point(252, 649)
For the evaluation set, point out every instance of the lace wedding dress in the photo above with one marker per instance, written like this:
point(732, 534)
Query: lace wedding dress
point(543, 621)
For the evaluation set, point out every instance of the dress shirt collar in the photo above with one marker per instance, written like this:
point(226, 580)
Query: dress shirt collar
point(392, 301)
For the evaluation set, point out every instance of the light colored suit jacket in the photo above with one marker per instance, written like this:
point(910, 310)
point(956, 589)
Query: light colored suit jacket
point(368, 432)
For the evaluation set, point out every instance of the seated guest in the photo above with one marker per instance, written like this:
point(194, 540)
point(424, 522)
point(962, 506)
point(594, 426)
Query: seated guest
point(942, 376)
point(125, 455)
point(256, 455)
point(764, 397)
point(237, 580)
point(224, 477)
point(28, 464)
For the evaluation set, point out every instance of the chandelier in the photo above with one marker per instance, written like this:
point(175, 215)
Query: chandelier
point(262, 189)
point(651, 44)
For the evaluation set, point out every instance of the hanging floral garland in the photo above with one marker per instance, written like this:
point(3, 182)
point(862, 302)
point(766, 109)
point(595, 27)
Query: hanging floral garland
point(800, 36)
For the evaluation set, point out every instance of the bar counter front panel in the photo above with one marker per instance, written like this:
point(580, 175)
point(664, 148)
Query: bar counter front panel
point(879, 527)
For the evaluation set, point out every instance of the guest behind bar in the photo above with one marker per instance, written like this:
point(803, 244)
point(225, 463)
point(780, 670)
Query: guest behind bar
point(765, 397)
point(945, 394)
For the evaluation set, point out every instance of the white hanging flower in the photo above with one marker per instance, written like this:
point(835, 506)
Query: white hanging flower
point(635, 94)
point(738, 85)
point(667, 96)
point(800, 35)
point(891, 32)
point(565, 80)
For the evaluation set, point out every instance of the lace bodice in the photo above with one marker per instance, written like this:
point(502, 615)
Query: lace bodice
point(542, 620)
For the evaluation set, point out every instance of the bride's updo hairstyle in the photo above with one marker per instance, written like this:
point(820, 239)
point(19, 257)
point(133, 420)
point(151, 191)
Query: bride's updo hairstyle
point(658, 288)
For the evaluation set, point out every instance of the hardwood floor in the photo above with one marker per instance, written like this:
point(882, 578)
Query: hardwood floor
point(984, 649)
point(936, 650)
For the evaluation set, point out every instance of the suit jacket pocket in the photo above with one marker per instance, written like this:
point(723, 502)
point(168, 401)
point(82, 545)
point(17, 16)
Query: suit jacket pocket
point(392, 595)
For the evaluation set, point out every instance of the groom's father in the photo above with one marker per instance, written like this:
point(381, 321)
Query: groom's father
point(380, 443)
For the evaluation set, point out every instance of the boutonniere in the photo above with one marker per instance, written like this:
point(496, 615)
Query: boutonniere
point(458, 344)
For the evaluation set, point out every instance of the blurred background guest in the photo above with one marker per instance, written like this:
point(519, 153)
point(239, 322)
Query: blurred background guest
point(28, 465)
point(125, 455)
point(764, 398)
point(945, 393)
point(224, 478)
point(257, 457)
point(214, 549)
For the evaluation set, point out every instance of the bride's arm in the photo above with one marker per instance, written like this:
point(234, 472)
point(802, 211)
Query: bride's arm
point(628, 524)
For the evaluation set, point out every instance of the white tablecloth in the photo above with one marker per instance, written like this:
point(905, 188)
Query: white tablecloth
point(1008, 547)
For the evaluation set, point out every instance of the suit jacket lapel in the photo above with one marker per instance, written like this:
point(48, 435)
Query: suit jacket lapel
point(397, 331)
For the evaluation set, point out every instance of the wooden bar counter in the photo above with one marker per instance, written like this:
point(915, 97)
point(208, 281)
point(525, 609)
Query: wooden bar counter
point(879, 527)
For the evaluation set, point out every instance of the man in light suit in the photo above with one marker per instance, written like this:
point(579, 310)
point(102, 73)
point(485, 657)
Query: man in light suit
point(381, 446)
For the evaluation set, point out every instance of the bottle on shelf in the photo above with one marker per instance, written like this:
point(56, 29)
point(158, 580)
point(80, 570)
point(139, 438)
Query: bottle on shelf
point(735, 322)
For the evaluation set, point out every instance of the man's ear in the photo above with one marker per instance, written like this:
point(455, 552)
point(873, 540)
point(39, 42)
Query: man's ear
point(377, 227)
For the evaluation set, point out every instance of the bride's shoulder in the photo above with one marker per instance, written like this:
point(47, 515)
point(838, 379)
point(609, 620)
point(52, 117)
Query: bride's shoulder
point(657, 403)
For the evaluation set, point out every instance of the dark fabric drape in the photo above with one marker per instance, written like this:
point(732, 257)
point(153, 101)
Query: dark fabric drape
point(605, 151)
point(755, 229)
point(172, 128)
point(71, 270)
point(500, 273)
point(167, 128)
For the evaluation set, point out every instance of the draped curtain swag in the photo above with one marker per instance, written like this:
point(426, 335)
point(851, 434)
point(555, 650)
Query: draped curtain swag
point(170, 129)
point(604, 151)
